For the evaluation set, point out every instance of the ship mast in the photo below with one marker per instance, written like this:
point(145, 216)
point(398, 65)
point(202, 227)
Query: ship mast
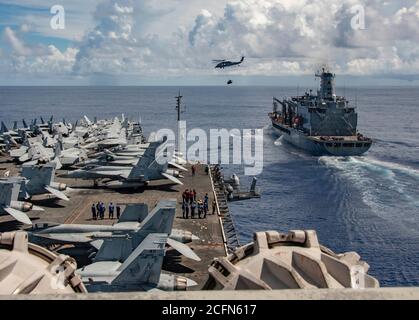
point(327, 85)
point(181, 126)
point(178, 106)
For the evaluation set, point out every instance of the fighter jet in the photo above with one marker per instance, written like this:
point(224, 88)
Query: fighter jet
point(71, 156)
point(116, 242)
point(46, 126)
point(9, 204)
point(221, 64)
point(140, 271)
point(3, 144)
point(114, 140)
point(126, 158)
point(111, 135)
point(61, 128)
point(25, 131)
point(137, 150)
point(148, 168)
point(11, 135)
point(109, 158)
point(38, 180)
point(6, 142)
point(34, 152)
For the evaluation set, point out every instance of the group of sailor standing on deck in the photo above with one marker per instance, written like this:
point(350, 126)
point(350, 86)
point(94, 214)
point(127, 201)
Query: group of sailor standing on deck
point(99, 209)
point(191, 204)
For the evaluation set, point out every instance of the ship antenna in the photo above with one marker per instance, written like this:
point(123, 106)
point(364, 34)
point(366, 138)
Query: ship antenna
point(180, 129)
point(178, 105)
point(356, 97)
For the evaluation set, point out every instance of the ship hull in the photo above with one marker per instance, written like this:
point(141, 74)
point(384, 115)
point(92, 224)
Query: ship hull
point(320, 148)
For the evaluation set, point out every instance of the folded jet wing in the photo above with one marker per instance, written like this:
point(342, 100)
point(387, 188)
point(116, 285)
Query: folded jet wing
point(18, 215)
point(183, 249)
point(172, 178)
point(178, 166)
point(57, 193)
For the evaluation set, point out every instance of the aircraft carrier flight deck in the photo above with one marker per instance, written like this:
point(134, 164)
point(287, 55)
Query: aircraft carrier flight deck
point(78, 211)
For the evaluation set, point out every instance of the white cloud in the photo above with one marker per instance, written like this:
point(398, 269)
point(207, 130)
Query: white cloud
point(78, 17)
point(278, 37)
point(308, 33)
point(17, 45)
point(39, 59)
point(54, 61)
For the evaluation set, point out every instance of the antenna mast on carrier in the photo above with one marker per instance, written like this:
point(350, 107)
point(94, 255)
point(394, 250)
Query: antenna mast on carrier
point(181, 126)
point(178, 105)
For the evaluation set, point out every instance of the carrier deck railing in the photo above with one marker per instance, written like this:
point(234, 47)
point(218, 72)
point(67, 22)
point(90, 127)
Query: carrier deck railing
point(231, 240)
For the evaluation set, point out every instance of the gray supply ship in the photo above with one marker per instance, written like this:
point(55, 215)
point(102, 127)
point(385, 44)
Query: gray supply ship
point(322, 124)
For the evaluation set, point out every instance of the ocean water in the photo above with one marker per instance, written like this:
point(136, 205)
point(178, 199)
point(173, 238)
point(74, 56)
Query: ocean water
point(367, 204)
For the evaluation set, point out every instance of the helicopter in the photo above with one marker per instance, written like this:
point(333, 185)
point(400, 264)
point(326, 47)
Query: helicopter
point(221, 64)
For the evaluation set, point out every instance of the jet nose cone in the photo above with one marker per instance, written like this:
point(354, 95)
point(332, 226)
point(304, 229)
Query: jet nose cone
point(190, 283)
point(195, 238)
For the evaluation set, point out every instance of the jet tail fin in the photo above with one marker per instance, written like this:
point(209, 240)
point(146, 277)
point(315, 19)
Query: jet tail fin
point(144, 263)
point(146, 160)
point(3, 128)
point(160, 219)
point(135, 212)
point(9, 191)
point(58, 147)
point(57, 154)
point(42, 175)
point(87, 120)
point(57, 163)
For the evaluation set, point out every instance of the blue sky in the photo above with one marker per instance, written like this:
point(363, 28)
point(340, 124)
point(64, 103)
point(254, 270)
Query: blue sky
point(172, 42)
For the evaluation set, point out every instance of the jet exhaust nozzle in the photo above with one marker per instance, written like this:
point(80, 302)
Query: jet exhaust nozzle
point(174, 173)
point(62, 186)
point(21, 206)
point(182, 283)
